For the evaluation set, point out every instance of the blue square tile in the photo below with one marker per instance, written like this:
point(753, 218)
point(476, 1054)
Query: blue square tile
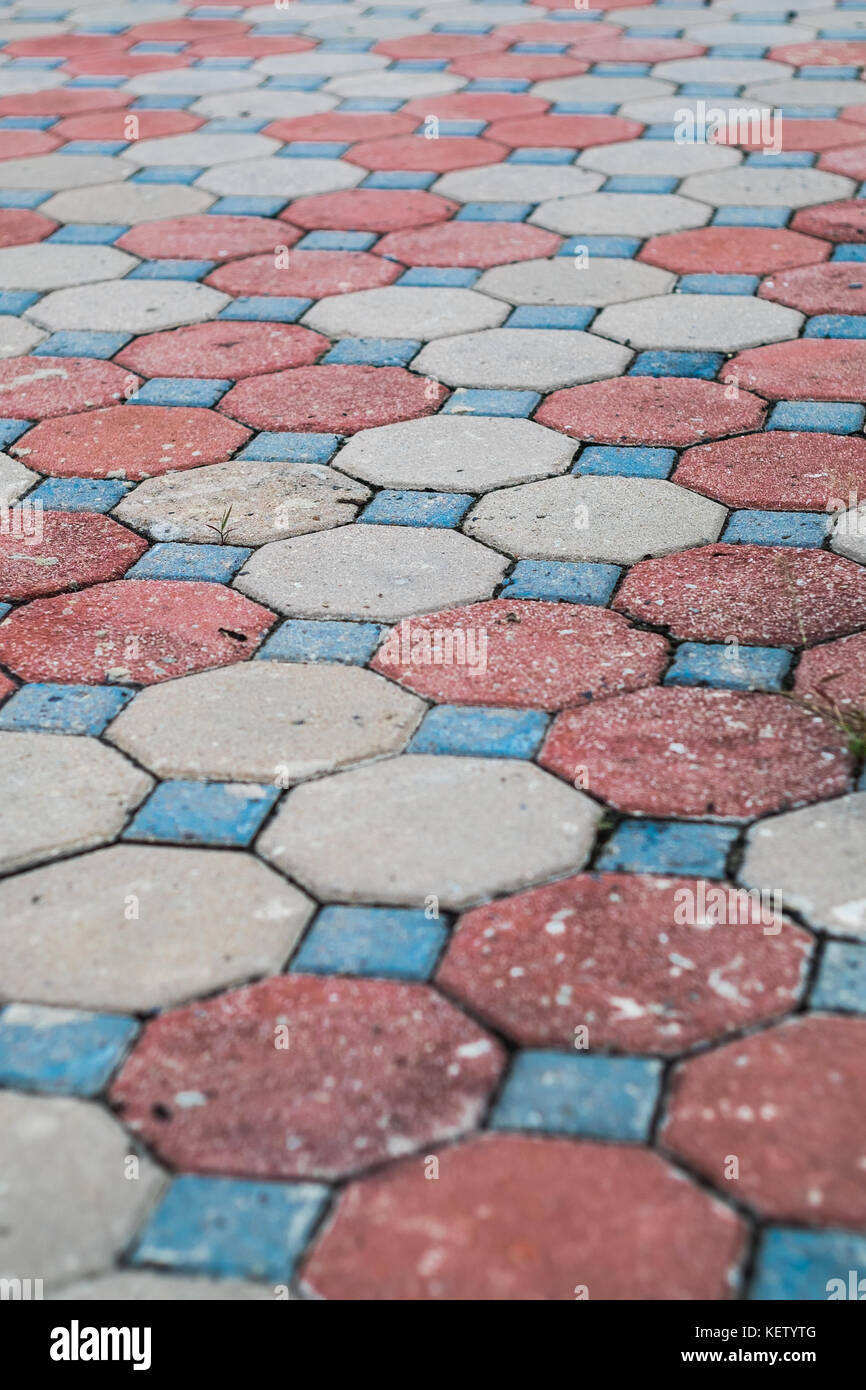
point(562, 580)
point(10, 430)
point(159, 101)
point(539, 48)
point(16, 301)
point(668, 847)
point(718, 284)
point(171, 270)
point(337, 241)
point(202, 813)
point(661, 362)
point(265, 309)
point(733, 50)
point(830, 417)
point(593, 1096)
point(621, 247)
point(480, 733)
point(168, 173)
point(370, 104)
point(753, 527)
point(84, 344)
point(800, 1266)
point(374, 352)
point(294, 82)
point(583, 108)
point(64, 709)
point(306, 639)
point(514, 404)
point(419, 65)
point(313, 149)
point(24, 197)
point(493, 212)
point(792, 159)
point(86, 234)
point(573, 316)
point(81, 494)
point(458, 128)
point(841, 982)
point(498, 84)
point(439, 277)
point(390, 943)
point(734, 216)
point(729, 667)
point(399, 178)
point(637, 183)
point(612, 461)
point(105, 147)
point(549, 154)
point(623, 70)
point(849, 251)
point(406, 507)
point(232, 1228)
point(239, 125)
point(836, 326)
point(178, 560)
point(178, 390)
point(288, 447)
point(247, 206)
point(61, 1052)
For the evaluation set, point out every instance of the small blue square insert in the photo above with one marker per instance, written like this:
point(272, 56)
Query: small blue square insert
point(830, 417)
point(662, 362)
point(568, 316)
point(514, 404)
point(289, 447)
point(265, 309)
point(668, 847)
point(729, 667)
point(80, 494)
point(480, 733)
point(563, 580)
point(305, 639)
point(188, 391)
point(178, 560)
point(753, 527)
point(46, 708)
point(202, 813)
point(72, 344)
point(391, 943)
point(593, 1096)
point(374, 352)
point(60, 1052)
point(610, 460)
point(399, 507)
point(841, 982)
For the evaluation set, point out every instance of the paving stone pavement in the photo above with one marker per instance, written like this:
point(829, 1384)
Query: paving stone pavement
point(432, 648)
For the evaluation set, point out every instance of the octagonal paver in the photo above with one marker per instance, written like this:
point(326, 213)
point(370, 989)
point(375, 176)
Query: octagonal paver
point(20, 226)
point(698, 322)
point(623, 214)
point(789, 1103)
point(453, 453)
point(62, 794)
point(597, 281)
point(332, 399)
point(33, 388)
point(618, 520)
point(285, 178)
point(794, 471)
point(263, 502)
point(370, 210)
point(526, 358)
point(468, 244)
point(59, 171)
point(844, 221)
point(630, 957)
point(136, 927)
point(129, 441)
point(657, 158)
point(265, 721)
point(815, 858)
point(838, 288)
point(371, 572)
point(129, 306)
point(42, 266)
point(414, 152)
point(126, 204)
point(224, 351)
point(405, 312)
point(524, 1218)
point(305, 274)
point(49, 1210)
point(773, 595)
point(733, 250)
point(214, 238)
point(561, 131)
point(812, 369)
point(200, 149)
point(526, 654)
point(833, 675)
point(341, 126)
point(651, 410)
point(751, 187)
point(698, 753)
point(140, 630)
point(373, 1070)
point(459, 829)
point(529, 183)
point(74, 549)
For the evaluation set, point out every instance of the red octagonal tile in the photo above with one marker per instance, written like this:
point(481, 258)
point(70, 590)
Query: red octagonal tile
point(645, 964)
point(790, 1105)
point(201, 237)
point(475, 106)
point(835, 288)
point(527, 67)
point(833, 675)
point(334, 399)
point(765, 594)
point(33, 388)
point(808, 134)
point(19, 226)
point(21, 144)
point(733, 250)
point(227, 350)
point(618, 49)
point(535, 655)
point(650, 410)
point(851, 161)
point(369, 210)
point(699, 753)
point(469, 244)
point(836, 221)
point(73, 549)
point(806, 369)
point(577, 131)
point(777, 470)
point(414, 46)
point(417, 152)
point(305, 274)
point(244, 47)
point(371, 1070)
point(822, 53)
point(514, 1218)
point(115, 125)
point(65, 45)
point(129, 441)
point(139, 630)
point(342, 126)
point(120, 64)
point(64, 101)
